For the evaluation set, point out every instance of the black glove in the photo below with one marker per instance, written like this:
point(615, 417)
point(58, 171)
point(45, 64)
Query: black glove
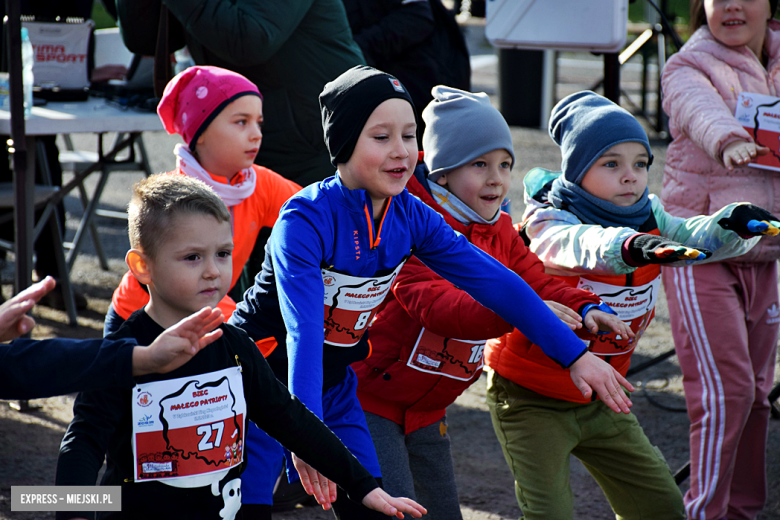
point(748, 220)
point(651, 249)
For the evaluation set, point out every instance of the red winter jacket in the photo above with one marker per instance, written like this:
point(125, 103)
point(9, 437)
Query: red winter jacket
point(514, 357)
point(413, 386)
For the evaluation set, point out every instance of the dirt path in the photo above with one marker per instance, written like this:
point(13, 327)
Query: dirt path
point(29, 442)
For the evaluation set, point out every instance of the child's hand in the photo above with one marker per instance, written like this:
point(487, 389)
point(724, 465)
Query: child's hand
point(379, 500)
point(179, 343)
point(652, 249)
point(596, 320)
point(590, 373)
point(315, 483)
point(740, 153)
point(14, 321)
point(568, 316)
point(748, 220)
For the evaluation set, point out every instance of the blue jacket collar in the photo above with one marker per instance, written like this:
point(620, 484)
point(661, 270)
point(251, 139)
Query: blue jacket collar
point(353, 200)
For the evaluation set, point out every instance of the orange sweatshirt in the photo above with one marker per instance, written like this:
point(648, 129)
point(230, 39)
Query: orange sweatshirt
point(256, 212)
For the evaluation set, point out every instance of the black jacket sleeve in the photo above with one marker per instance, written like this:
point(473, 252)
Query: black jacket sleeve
point(405, 25)
point(96, 416)
point(286, 419)
point(32, 369)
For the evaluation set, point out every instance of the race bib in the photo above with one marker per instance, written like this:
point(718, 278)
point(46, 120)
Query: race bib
point(760, 116)
point(633, 305)
point(350, 304)
point(188, 427)
point(454, 358)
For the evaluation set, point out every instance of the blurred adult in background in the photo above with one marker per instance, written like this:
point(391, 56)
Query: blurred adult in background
point(289, 49)
point(417, 41)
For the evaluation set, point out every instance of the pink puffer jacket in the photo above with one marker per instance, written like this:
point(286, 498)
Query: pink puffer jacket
point(700, 85)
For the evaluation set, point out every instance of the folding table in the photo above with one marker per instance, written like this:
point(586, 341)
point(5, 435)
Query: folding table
point(91, 116)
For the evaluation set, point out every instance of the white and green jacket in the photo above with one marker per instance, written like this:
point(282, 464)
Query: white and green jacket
point(568, 247)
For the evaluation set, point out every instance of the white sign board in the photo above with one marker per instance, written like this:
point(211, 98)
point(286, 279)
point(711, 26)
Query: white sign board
point(579, 25)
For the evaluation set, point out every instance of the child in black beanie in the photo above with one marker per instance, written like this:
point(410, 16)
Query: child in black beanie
point(343, 241)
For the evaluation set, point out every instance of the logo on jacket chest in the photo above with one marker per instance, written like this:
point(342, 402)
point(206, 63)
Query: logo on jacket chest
point(356, 243)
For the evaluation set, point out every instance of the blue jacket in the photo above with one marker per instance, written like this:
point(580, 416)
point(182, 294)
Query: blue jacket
point(325, 232)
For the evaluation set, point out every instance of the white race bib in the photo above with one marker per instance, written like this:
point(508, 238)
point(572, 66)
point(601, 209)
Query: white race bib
point(633, 305)
point(350, 304)
point(760, 116)
point(454, 358)
point(189, 431)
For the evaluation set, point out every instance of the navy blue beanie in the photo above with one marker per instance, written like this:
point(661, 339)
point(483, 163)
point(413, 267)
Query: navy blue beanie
point(585, 125)
point(349, 100)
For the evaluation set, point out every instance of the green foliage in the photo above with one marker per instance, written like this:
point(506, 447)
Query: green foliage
point(101, 17)
point(677, 8)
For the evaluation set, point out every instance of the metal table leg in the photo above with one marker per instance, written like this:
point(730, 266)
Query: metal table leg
point(87, 221)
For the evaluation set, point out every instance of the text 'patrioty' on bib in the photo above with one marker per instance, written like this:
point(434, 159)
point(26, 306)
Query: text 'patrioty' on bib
point(633, 305)
point(189, 426)
point(350, 304)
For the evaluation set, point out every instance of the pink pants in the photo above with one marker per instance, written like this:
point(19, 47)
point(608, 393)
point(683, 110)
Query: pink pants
point(724, 319)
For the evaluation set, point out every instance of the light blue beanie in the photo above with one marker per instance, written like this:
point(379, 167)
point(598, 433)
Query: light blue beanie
point(585, 125)
point(459, 127)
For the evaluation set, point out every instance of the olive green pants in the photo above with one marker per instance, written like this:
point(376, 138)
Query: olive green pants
point(537, 434)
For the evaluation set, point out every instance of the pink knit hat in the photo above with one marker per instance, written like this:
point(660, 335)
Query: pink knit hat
point(195, 96)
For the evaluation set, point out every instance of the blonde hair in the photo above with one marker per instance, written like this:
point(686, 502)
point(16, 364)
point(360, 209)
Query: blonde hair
point(157, 199)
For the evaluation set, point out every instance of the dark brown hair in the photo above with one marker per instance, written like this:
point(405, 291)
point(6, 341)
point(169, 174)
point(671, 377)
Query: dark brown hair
point(698, 16)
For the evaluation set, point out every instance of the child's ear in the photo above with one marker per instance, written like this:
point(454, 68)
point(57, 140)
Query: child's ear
point(442, 181)
point(137, 262)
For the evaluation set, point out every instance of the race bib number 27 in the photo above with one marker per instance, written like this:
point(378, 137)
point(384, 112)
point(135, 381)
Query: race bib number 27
point(188, 426)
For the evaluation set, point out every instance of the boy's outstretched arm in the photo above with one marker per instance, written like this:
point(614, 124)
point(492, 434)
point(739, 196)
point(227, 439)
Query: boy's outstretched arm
point(179, 343)
point(379, 500)
point(590, 373)
point(643, 249)
point(325, 492)
point(749, 220)
point(597, 320)
point(315, 483)
point(565, 314)
point(282, 415)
